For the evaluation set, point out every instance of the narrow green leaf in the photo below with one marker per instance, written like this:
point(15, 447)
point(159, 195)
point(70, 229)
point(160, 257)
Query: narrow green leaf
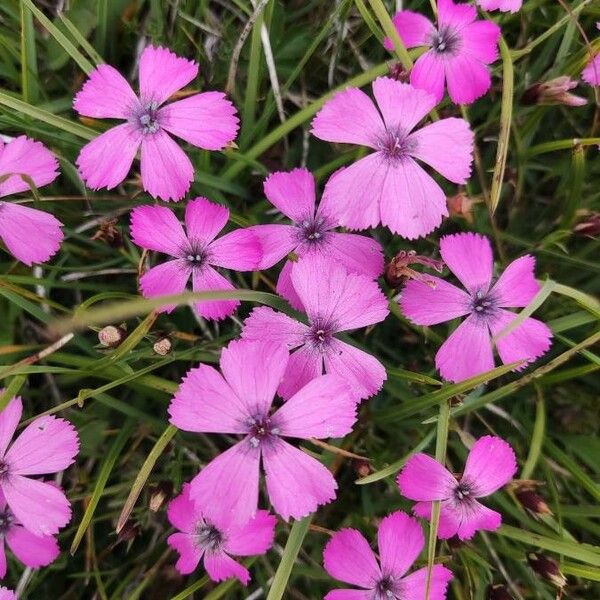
point(29, 69)
point(537, 437)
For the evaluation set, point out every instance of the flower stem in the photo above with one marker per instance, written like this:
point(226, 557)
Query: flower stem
point(388, 27)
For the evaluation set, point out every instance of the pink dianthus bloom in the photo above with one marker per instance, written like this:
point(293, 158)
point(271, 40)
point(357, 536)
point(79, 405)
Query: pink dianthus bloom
point(512, 6)
point(335, 301)
point(311, 233)
point(32, 550)
point(240, 402)
point(45, 446)
point(461, 48)
point(200, 538)
point(206, 120)
point(591, 73)
point(195, 252)
point(468, 351)
point(31, 235)
point(6, 594)
point(388, 186)
point(490, 465)
point(349, 558)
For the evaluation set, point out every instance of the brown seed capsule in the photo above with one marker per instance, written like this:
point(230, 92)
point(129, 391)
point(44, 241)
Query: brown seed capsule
point(111, 336)
point(547, 568)
point(163, 346)
point(498, 592)
point(533, 502)
point(159, 494)
point(109, 233)
point(461, 205)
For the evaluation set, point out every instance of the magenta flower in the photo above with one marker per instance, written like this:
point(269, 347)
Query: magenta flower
point(200, 538)
point(349, 558)
point(31, 235)
point(335, 301)
point(194, 252)
point(6, 594)
point(591, 73)
point(240, 402)
point(461, 48)
point(311, 233)
point(32, 550)
point(45, 446)
point(388, 186)
point(512, 6)
point(468, 351)
point(205, 120)
point(490, 465)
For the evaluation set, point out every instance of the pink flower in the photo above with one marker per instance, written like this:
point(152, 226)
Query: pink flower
point(591, 73)
point(468, 351)
point(311, 233)
point(199, 538)
point(512, 6)
point(195, 252)
point(335, 301)
point(349, 558)
point(205, 120)
point(490, 465)
point(240, 402)
point(388, 186)
point(45, 446)
point(6, 594)
point(32, 550)
point(31, 235)
point(461, 48)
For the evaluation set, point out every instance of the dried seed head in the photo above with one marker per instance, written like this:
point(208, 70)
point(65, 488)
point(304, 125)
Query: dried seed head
point(555, 91)
point(398, 270)
point(547, 568)
point(498, 592)
point(111, 336)
point(533, 502)
point(159, 494)
point(163, 346)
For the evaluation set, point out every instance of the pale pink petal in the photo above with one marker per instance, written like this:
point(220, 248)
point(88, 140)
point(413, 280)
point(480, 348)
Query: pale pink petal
point(423, 478)
point(431, 304)
point(297, 483)
point(9, 419)
point(517, 285)
point(6, 594)
point(467, 78)
point(358, 253)
point(349, 117)
point(106, 94)
point(467, 352)
point(323, 408)
point(304, 365)
point(189, 552)
point(449, 518)
point(206, 279)
point(166, 279)
point(400, 540)
point(363, 373)
point(401, 105)
point(428, 74)
point(413, 586)
point(46, 445)
point(349, 595)
point(167, 172)
point(3, 565)
point(349, 558)
point(205, 403)
point(491, 464)
point(106, 160)
point(253, 537)
point(182, 512)
point(412, 204)
point(477, 517)
point(41, 507)
point(413, 28)
point(205, 120)
point(293, 192)
point(469, 257)
point(32, 550)
point(481, 40)
point(458, 15)
point(268, 325)
point(24, 156)
point(276, 242)
point(220, 567)
point(239, 250)
point(530, 340)
point(227, 487)
point(447, 147)
point(162, 73)
point(591, 73)
point(204, 220)
point(512, 6)
point(157, 228)
point(285, 287)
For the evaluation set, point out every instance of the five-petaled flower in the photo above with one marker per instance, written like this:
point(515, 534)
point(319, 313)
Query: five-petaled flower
point(468, 351)
point(349, 558)
point(388, 186)
point(490, 465)
point(206, 120)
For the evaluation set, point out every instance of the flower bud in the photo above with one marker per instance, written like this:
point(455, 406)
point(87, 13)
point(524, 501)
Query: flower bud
point(111, 336)
point(547, 568)
point(159, 494)
point(533, 502)
point(589, 226)
point(163, 346)
point(397, 270)
point(498, 592)
point(555, 91)
point(460, 205)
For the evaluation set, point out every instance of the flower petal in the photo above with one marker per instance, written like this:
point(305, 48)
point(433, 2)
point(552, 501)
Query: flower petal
point(413, 28)
point(205, 120)
point(239, 250)
point(457, 15)
point(106, 94)
point(157, 228)
point(517, 285)
point(209, 280)
point(32, 550)
point(292, 193)
point(348, 595)
point(413, 586)
point(428, 74)
point(166, 279)
point(107, 159)
point(449, 519)
point(467, 78)
point(357, 253)
point(349, 558)
point(400, 540)
point(304, 365)
point(297, 483)
point(480, 40)
point(3, 569)
point(189, 552)
point(285, 287)
point(476, 518)
point(220, 567)
point(253, 537)
point(162, 73)
point(182, 512)
point(423, 478)
point(591, 73)
point(512, 6)
point(9, 419)
point(276, 241)
point(267, 325)
point(491, 464)
point(204, 220)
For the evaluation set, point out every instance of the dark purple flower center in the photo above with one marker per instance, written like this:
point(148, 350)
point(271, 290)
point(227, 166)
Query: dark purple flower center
point(261, 430)
point(312, 231)
point(195, 255)
point(396, 145)
point(384, 589)
point(320, 334)
point(483, 304)
point(6, 521)
point(3, 469)
point(148, 119)
point(446, 40)
point(463, 492)
point(209, 537)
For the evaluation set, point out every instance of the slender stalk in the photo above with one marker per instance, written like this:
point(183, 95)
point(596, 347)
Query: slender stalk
point(388, 27)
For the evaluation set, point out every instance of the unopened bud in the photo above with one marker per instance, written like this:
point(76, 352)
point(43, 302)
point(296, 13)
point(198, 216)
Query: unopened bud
point(159, 494)
point(555, 91)
point(398, 72)
point(590, 226)
point(547, 568)
point(129, 532)
point(361, 467)
point(163, 346)
point(398, 270)
point(111, 336)
point(498, 592)
point(460, 205)
point(533, 502)
point(109, 233)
